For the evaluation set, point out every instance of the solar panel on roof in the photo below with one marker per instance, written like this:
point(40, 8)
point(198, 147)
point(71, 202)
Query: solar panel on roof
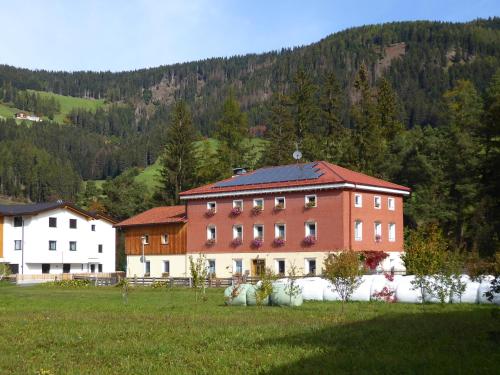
point(275, 174)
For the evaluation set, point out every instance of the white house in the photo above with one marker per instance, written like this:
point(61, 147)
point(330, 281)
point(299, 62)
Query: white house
point(54, 238)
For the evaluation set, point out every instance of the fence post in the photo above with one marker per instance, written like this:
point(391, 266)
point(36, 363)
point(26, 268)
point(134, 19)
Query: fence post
point(190, 283)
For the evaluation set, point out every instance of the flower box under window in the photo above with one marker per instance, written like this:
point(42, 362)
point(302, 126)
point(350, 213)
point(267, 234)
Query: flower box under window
point(279, 207)
point(257, 242)
point(210, 212)
point(236, 241)
point(279, 241)
point(378, 238)
point(236, 211)
point(257, 210)
point(309, 240)
point(311, 204)
point(210, 242)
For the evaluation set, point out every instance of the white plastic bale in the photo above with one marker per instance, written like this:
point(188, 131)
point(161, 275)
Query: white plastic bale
point(312, 288)
point(240, 299)
point(432, 297)
point(362, 292)
point(485, 287)
point(405, 292)
point(329, 293)
point(471, 293)
point(380, 282)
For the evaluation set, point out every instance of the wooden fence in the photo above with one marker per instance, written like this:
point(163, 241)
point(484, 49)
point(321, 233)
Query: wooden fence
point(188, 281)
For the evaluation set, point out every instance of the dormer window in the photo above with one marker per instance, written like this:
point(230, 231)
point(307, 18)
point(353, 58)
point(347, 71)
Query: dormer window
point(311, 201)
point(377, 202)
point(358, 200)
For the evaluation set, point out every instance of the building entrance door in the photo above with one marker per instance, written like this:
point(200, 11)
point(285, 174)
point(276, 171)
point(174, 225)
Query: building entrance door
point(258, 266)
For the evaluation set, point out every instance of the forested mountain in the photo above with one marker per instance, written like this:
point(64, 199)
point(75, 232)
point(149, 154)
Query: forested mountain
point(413, 102)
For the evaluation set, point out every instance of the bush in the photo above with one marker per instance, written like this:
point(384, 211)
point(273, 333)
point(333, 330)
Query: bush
point(69, 283)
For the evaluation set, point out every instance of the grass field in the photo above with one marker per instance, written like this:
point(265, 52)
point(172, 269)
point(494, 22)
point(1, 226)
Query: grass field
point(92, 331)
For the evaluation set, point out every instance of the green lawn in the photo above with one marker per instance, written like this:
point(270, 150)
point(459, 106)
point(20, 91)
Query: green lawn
point(92, 331)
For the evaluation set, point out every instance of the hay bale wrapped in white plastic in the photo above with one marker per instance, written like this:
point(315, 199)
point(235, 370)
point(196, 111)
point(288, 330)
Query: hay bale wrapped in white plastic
point(471, 292)
point(486, 287)
point(362, 292)
point(251, 295)
point(406, 292)
point(431, 297)
point(312, 288)
point(329, 292)
point(281, 296)
point(380, 282)
point(236, 295)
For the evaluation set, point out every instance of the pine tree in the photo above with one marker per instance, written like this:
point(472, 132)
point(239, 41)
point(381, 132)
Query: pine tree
point(305, 110)
point(387, 110)
point(281, 134)
point(178, 171)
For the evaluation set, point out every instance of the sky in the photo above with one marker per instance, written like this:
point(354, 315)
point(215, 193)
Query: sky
point(122, 35)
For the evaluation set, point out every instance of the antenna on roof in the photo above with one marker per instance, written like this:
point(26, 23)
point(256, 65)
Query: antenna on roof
point(297, 155)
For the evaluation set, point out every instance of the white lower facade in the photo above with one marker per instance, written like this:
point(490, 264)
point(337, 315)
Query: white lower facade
point(228, 264)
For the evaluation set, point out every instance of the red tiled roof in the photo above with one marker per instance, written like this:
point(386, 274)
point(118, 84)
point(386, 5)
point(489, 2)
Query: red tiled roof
point(157, 215)
point(332, 174)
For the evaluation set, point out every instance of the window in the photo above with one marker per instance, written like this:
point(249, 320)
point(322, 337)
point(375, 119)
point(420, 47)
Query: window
point(258, 231)
point(145, 239)
point(18, 245)
point(358, 230)
point(391, 204)
point(52, 222)
point(258, 202)
point(238, 266)
point(99, 248)
point(238, 204)
point(211, 266)
point(377, 202)
point(238, 232)
point(166, 266)
point(280, 231)
point(92, 227)
point(280, 266)
point(92, 268)
point(18, 221)
point(52, 245)
point(72, 245)
point(311, 229)
point(279, 203)
point(72, 223)
point(311, 201)
point(45, 268)
point(211, 233)
point(378, 231)
point(358, 200)
point(311, 266)
point(99, 267)
point(212, 206)
point(66, 268)
point(392, 232)
point(164, 239)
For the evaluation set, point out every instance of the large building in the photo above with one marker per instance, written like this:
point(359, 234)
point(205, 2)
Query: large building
point(54, 238)
point(275, 217)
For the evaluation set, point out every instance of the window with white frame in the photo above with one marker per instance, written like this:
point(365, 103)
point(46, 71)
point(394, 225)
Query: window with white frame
point(358, 230)
point(18, 245)
point(377, 202)
point(280, 231)
point(164, 239)
point(391, 204)
point(392, 232)
point(377, 229)
point(212, 206)
point(211, 232)
point(258, 202)
point(258, 231)
point(279, 202)
point(238, 203)
point(311, 229)
point(310, 266)
point(211, 266)
point(148, 267)
point(166, 266)
point(238, 231)
point(238, 266)
point(358, 200)
point(52, 245)
point(311, 200)
point(280, 266)
point(72, 245)
point(145, 239)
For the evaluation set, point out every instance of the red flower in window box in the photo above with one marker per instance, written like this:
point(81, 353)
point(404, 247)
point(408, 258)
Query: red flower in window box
point(257, 242)
point(311, 204)
point(378, 238)
point(236, 241)
point(309, 240)
point(210, 242)
point(236, 211)
point(279, 207)
point(279, 241)
point(210, 212)
point(257, 210)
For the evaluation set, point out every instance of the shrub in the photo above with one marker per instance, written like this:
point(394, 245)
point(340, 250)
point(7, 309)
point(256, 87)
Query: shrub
point(159, 284)
point(199, 272)
point(70, 283)
point(4, 271)
point(344, 271)
point(265, 289)
point(372, 259)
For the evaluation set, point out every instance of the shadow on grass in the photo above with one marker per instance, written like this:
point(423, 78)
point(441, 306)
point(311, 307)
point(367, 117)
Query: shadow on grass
point(417, 343)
